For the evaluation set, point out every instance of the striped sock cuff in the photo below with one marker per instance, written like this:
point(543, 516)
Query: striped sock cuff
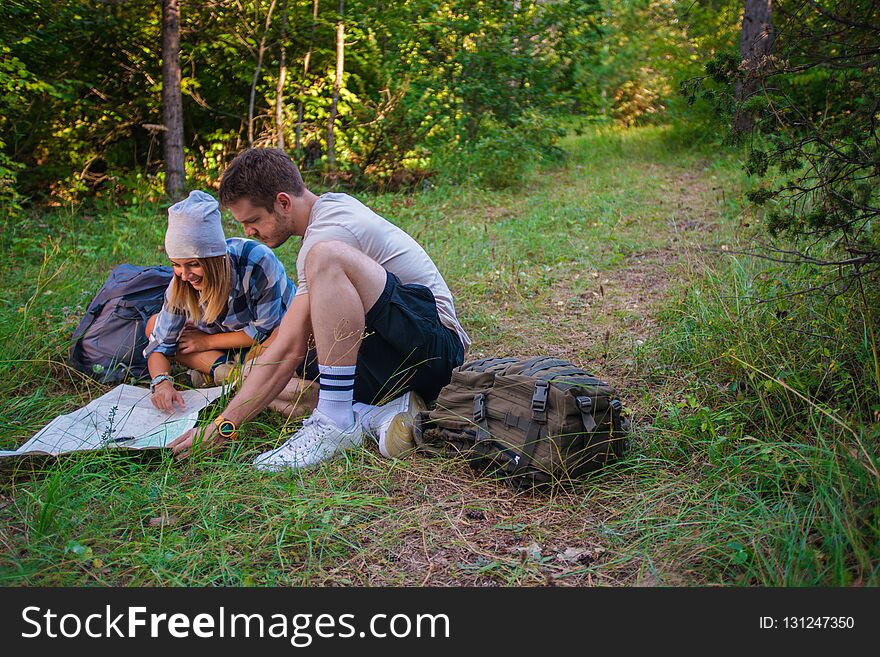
point(336, 393)
point(337, 381)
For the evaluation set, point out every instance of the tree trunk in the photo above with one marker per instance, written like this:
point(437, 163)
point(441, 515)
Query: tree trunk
point(172, 103)
point(337, 86)
point(261, 51)
point(756, 41)
point(302, 85)
point(282, 73)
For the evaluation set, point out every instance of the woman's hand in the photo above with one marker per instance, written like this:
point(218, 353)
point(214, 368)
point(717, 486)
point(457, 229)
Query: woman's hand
point(165, 396)
point(192, 340)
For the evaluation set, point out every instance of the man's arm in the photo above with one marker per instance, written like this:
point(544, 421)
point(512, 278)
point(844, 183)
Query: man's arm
point(267, 378)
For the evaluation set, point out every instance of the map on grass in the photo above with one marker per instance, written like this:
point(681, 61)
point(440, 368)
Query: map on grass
point(121, 418)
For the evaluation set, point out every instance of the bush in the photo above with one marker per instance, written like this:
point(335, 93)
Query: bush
point(503, 155)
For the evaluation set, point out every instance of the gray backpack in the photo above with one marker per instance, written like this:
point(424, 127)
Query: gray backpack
point(109, 342)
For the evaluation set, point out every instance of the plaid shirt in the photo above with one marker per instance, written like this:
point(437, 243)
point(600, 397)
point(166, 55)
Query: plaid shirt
point(261, 293)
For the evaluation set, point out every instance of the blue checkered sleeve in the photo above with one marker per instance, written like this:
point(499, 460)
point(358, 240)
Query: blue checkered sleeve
point(169, 325)
point(269, 292)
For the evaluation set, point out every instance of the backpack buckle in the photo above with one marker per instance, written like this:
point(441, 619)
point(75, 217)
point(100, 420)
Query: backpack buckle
point(479, 407)
point(539, 400)
point(585, 405)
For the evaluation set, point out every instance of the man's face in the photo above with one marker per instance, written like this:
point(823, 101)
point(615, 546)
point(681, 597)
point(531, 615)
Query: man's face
point(260, 224)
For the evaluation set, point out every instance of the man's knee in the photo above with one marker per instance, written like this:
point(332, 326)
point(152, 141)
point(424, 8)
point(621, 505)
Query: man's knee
point(325, 256)
point(334, 261)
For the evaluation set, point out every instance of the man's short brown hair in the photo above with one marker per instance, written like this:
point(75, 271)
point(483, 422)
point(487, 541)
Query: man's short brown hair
point(258, 175)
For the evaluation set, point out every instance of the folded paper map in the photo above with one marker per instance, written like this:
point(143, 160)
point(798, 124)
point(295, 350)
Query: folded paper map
point(122, 418)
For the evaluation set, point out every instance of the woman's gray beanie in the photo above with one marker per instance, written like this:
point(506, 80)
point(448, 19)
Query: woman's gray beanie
point(194, 229)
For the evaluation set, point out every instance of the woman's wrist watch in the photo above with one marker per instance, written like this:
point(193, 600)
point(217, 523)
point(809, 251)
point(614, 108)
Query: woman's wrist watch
point(159, 379)
point(226, 428)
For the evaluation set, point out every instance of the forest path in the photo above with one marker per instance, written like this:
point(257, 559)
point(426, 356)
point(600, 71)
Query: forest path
point(453, 528)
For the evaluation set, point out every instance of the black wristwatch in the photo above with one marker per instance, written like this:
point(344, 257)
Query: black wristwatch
point(226, 428)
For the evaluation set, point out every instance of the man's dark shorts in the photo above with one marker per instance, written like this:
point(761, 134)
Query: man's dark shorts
point(405, 347)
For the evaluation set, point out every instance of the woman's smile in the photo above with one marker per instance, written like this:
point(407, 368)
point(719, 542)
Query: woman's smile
point(189, 270)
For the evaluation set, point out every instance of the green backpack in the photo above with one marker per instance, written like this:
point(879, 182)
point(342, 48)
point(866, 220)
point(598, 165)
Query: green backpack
point(532, 422)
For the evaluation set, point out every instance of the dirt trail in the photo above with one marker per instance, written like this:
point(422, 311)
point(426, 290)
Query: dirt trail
point(457, 529)
point(600, 326)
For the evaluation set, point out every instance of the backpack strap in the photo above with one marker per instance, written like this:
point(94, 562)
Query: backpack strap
point(125, 303)
point(542, 364)
point(537, 423)
point(481, 419)
point(487, 364)
point(517, 421)
point(572, 376)
point(567, 371)
point(585, 406)
point(539, 401)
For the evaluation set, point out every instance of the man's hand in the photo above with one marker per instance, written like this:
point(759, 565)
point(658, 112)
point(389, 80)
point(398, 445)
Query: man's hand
point(200, 438)
point(263, 383)
point(165, 396)
point(192, 340)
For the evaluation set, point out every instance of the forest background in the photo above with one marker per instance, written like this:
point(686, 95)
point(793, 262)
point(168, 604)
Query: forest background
point(370, 93)
point(719, 157)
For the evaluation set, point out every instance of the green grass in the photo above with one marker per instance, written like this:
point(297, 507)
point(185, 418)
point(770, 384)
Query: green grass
point(779, 405)
point(755, 437)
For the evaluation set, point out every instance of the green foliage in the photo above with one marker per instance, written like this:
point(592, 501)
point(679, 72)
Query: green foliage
point(813, 147)
point(420, 78)
point(17, 84)
point(648, 48)
point(96, 86)
point(778, 391)
point(504, 154)
point(426, 84)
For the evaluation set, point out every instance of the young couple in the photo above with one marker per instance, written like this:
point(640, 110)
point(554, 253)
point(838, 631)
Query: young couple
point(378, 311)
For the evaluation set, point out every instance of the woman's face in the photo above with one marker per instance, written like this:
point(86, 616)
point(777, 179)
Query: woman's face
point(189, 270)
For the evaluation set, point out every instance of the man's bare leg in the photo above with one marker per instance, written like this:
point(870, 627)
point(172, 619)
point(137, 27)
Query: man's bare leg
point(297, 399)
point(343, 285)
point(299, 396)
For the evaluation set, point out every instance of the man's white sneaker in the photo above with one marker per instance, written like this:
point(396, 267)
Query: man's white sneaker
point(317, 440)
point(392, 423)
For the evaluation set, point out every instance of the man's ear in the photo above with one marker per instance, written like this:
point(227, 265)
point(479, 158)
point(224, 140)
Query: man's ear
point(283, 200)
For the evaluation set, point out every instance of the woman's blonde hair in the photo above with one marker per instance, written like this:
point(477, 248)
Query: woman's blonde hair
point(206, 305)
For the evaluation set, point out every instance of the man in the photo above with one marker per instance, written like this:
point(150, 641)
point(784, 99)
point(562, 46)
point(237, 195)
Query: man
point(381, 315)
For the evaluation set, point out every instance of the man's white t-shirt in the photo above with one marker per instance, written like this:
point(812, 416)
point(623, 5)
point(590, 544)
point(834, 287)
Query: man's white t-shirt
point(343, 218)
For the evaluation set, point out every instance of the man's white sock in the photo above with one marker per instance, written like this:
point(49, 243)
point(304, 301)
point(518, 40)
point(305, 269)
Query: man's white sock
point(336, 393)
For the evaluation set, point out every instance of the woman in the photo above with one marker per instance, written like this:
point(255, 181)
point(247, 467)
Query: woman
point(226, 297)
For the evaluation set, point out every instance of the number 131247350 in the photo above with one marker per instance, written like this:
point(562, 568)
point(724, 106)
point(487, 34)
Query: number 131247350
point(808, 623)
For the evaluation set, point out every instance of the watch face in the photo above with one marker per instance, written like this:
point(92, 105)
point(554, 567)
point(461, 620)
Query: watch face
point(226, 429)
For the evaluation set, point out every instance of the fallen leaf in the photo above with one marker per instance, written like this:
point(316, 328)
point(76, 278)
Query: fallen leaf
point(162, 521)
point(574, 555)
point(532, 550)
